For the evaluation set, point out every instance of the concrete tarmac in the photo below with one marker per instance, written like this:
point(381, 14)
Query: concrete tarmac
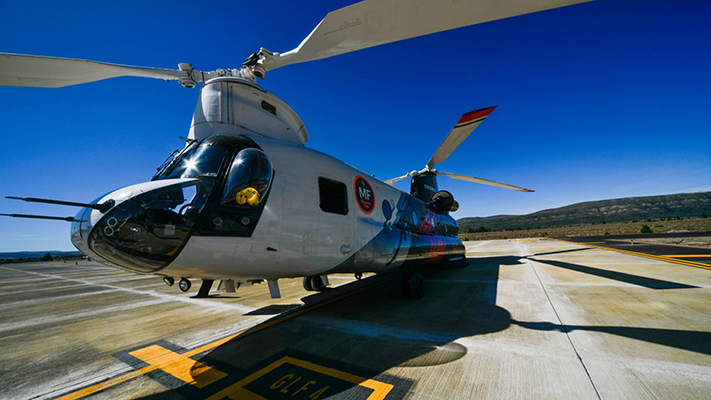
point(526, 319)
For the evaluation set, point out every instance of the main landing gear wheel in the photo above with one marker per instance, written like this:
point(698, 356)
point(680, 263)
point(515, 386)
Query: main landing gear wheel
point(317, 283)
point(307, 284)
point(313, 283)
point(411, 285)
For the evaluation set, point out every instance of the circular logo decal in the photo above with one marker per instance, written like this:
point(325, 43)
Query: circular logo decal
point(364, 195)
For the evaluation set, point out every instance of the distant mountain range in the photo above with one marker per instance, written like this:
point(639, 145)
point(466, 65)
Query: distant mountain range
point(685, 205)
point(38, 254)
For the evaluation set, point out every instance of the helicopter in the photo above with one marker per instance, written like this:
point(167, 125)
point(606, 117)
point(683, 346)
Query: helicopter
point(245, 200)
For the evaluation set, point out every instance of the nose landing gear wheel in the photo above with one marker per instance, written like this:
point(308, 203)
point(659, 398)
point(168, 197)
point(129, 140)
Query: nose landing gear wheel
point(184, 285)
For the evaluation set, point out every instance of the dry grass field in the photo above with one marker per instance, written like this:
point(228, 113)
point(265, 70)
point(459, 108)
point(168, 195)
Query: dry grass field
point(620, 228)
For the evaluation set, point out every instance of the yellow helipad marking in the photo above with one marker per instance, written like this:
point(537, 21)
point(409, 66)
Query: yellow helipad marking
point(689, 256)
point(179, 365)
point(238, 392)
point(107, 384)
point(134, 374)
point(632, 253)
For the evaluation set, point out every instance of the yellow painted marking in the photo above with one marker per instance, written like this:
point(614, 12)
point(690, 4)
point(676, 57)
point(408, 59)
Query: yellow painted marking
point(238, 392)
point(107, 384)
point(179, 365)
point(688, 256)
point(659, 258)
point(134, 374)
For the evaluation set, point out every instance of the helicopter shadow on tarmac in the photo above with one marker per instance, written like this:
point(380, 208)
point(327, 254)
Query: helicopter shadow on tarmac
point(347, 344)
point(344, 347)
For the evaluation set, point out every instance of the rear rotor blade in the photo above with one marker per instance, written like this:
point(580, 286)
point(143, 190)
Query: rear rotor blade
point(462, 129)
point(51, 72)
point(484, 181)
point(391, 181)
point(375, 22)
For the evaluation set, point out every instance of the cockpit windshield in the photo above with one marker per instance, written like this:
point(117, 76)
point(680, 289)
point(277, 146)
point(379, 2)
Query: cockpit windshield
point(198, 161)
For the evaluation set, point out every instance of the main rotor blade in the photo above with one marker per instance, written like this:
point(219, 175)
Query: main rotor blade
point(375, 22)
point(462, 129)
point(484, 181)
point(52, 72)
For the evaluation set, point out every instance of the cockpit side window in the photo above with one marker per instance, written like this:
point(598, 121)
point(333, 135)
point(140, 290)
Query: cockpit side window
point(248, 179)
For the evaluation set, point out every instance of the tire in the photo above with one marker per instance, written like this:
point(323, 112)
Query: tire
point(307, 282)
point(416, 286)
point(317, 283)
point(184, 285)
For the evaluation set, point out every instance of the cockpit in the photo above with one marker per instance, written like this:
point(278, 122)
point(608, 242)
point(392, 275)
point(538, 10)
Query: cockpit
point(218, 187)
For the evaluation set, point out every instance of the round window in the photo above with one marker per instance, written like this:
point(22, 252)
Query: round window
point(387, 210)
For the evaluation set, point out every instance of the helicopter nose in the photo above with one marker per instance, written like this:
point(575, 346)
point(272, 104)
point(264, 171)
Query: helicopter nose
point(147, 228)
point(81, 226)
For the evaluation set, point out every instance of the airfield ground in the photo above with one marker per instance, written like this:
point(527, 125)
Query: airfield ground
point(536, 318)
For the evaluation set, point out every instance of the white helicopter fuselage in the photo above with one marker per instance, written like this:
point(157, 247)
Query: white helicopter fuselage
point(315, 214)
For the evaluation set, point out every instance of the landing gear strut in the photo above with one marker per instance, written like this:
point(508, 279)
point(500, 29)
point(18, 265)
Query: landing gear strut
point(204, 289)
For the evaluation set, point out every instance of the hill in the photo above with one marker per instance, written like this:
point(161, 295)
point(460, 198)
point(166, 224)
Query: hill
point(687, 205)
point(25, 255)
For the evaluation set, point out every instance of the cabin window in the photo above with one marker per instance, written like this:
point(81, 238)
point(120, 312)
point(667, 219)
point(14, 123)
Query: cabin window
point(333, 196)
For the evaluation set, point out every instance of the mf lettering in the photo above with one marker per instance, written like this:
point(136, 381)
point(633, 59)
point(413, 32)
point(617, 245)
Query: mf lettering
point(364, 193)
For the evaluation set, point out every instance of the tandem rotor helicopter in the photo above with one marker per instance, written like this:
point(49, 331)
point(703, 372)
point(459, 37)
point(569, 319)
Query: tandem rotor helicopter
point(245, 200)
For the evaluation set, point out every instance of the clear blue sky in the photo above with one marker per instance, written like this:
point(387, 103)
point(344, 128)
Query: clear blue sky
point(601, 100)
